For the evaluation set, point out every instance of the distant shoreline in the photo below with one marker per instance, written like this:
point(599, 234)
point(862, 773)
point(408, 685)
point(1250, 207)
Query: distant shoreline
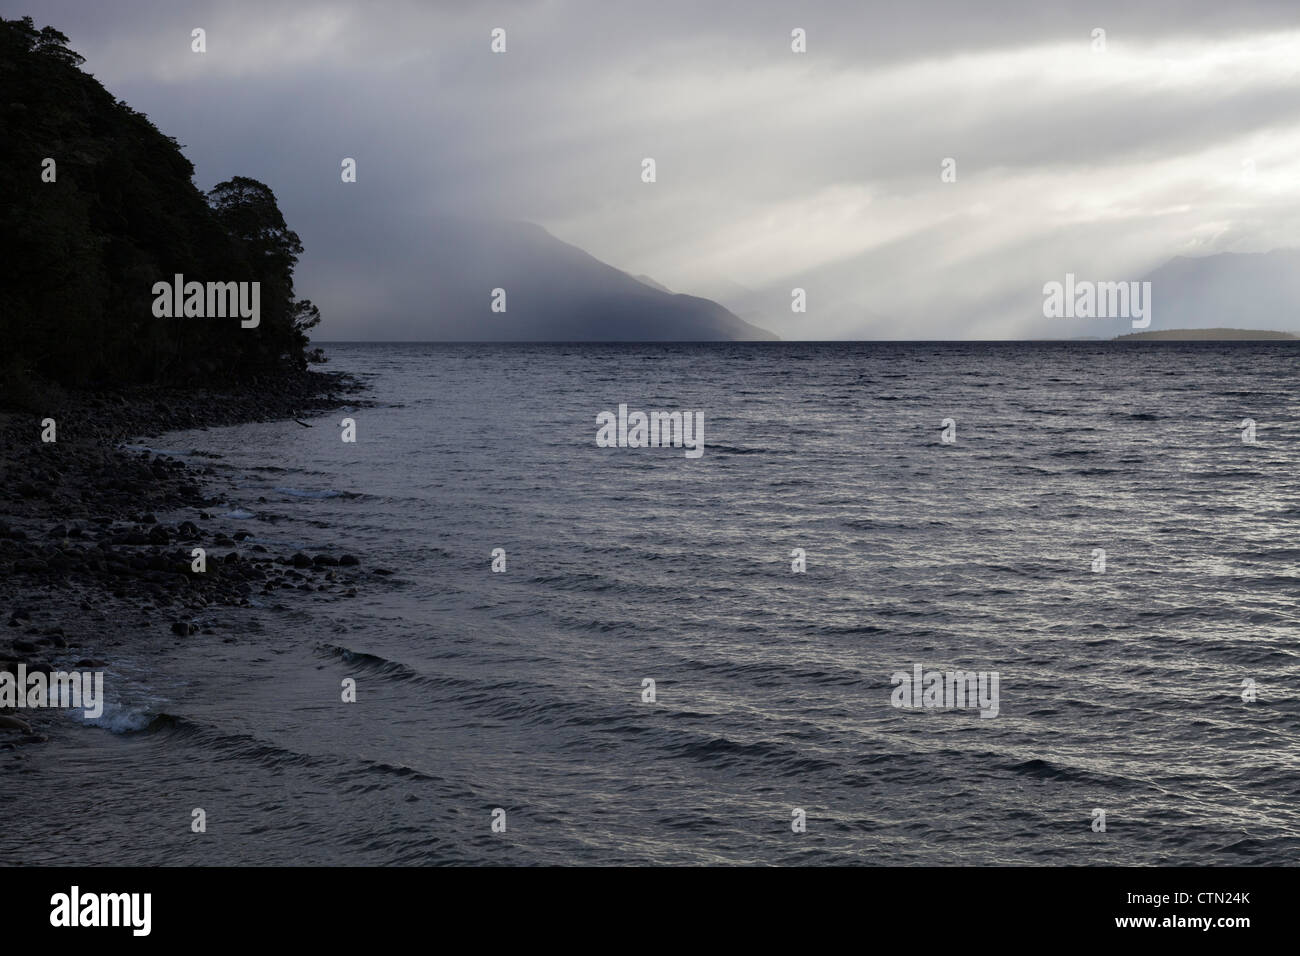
point(1208, 335)
point(1165, 335)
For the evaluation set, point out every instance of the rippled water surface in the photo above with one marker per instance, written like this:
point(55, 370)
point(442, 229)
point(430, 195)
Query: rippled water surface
point(523, 690)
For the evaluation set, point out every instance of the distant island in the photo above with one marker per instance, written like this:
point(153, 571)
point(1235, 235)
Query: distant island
point(1261, 290)
point(1207, 335)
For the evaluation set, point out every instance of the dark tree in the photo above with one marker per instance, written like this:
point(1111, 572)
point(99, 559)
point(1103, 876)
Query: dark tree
point(79, 256)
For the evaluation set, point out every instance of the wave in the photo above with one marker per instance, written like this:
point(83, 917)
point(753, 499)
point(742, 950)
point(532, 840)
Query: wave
point(119, 718)
point(1050, 770)
point(174, 453)
point(327, 493)
point(249, 747)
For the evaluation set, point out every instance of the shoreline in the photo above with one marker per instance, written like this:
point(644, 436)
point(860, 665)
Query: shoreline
point(87, 555)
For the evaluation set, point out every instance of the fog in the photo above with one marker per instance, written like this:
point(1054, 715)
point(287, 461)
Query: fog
point(774, 169)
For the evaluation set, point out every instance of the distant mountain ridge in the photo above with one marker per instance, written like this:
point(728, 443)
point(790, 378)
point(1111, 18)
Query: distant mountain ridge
point(552, 291)
point(653, 284)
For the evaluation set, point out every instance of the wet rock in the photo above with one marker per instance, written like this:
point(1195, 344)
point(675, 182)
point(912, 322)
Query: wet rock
point(13, 723)
point(124, 555)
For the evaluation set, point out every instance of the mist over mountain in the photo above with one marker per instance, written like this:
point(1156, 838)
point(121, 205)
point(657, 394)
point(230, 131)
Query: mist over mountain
point(1237, 290)
point(553, 291)
point(654, 284)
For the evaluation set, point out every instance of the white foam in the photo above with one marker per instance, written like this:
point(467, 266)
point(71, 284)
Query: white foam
point(117, 718)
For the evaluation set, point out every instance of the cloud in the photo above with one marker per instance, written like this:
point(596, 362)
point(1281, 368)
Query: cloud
point(775, 169)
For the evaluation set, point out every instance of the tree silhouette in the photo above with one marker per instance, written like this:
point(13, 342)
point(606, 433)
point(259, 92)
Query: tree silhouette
point(81, 254)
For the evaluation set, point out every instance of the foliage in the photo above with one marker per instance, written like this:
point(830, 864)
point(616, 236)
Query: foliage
point(79, 256)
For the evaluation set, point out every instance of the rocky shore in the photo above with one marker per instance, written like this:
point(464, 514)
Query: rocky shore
point(85, 561)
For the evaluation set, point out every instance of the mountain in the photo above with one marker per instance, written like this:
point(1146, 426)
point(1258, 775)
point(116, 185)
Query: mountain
point(653, 284)
point(554, 291)
point(767, 308)
point(1249, 290)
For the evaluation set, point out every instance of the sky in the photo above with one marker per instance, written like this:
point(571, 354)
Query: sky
point(774, 169)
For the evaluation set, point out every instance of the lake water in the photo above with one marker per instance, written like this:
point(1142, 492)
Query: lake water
point(1118, 690)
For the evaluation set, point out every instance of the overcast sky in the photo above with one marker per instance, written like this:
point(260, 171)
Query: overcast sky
point(775, 169)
